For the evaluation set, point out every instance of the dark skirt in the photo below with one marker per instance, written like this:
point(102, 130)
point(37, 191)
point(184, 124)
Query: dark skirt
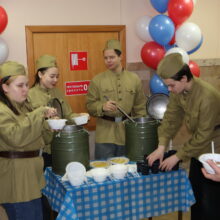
point(206, 192)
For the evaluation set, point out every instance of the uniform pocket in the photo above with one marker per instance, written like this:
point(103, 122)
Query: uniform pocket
point(108, 93)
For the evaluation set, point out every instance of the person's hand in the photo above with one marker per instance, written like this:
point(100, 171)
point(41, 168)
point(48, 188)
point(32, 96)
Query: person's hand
point(109, 106)
point(50, 112)
point(157, 154)
point(169, 163)
point(214, 177)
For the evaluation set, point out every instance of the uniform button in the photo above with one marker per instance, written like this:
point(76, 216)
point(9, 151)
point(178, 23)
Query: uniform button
point(120, 99)
point(119, 91)
point(119, 85)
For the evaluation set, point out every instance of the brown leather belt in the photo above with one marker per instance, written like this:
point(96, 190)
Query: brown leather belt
point(113, 118)
point(19, 154)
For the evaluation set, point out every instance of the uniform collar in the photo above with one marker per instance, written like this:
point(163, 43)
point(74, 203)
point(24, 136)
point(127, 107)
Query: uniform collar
point(186, 92)
point(117, 74)
point(41, 88)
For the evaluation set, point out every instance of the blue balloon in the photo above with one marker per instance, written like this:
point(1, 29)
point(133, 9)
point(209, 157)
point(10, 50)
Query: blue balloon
point(160, 5)
point(161, 29)
point(157, 85)
point(196, 48)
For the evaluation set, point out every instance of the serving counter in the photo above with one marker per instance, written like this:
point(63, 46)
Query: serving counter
point(131, 198)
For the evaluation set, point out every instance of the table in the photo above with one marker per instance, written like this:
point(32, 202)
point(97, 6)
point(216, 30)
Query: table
point(131, 198)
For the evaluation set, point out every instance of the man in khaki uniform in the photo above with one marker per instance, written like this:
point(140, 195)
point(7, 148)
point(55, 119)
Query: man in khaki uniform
point(115, 86)
point(197, 103)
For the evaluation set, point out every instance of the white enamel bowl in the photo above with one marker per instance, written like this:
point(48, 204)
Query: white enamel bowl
point(99, 174)
point(56, 124)
point(118, 171)
point(204, 157)
point(82, 119)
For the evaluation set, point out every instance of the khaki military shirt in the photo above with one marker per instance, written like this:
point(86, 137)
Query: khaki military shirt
point(39, 96)
point(199, 109)
point(21, 179)
point(126, 89)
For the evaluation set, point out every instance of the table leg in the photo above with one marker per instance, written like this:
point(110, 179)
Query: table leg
point(150, 218)
point(180, 215)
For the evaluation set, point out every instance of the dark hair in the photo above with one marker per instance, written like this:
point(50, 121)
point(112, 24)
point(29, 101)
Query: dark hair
point(4, 98)
point(37, 78)
point(118, 52)
point(185, 71)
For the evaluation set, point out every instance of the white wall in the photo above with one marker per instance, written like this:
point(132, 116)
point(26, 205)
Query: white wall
point(102, 12)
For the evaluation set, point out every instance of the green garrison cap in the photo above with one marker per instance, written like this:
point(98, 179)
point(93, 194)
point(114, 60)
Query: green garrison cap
point(170, 65)
point(113, 44)
point(11, 68)
point(46, 61)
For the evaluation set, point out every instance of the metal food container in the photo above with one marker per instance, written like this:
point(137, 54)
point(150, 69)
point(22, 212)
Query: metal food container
point(70, 144)
point(140, 137)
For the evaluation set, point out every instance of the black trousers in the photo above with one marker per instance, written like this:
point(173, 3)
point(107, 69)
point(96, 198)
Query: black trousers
point(206, 192)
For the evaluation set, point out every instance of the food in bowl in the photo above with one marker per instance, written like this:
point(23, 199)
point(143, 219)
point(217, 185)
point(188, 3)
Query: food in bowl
point(99, 163)
point(118, 160)
point(214, 157)
point(99, 174)
point(118, 171)
point(81, 119)
point(56, 124)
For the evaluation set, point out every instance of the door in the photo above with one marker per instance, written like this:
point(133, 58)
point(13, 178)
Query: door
point(79, 53)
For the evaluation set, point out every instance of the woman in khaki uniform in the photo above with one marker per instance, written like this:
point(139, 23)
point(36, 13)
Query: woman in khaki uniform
point(44, 91)
point(41, 94)
point(21, 172)
point(197, 104)
point(115, 86)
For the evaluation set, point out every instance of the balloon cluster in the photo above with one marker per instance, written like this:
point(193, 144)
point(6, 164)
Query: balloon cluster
point(3, 45)
point(166, 34)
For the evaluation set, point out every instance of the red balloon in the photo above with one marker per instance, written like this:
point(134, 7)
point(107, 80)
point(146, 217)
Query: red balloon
point(152, 53)
point(194, 68)
point(180, 10)
point(3, 19)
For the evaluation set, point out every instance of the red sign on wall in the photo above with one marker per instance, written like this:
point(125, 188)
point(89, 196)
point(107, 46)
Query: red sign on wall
point(78, 61)
point(77, 87)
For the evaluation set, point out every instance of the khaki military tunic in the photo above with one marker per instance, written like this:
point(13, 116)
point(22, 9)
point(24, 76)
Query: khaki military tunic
point(39, 96)
point(126, 89)
point(199, 109)
point(21, 179)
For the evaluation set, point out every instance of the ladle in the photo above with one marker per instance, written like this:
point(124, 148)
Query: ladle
point(121, 110)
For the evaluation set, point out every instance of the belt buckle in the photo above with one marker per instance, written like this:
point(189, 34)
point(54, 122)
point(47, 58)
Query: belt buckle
point(118, 119)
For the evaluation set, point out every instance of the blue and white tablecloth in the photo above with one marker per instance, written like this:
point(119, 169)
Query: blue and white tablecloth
point(132, 198)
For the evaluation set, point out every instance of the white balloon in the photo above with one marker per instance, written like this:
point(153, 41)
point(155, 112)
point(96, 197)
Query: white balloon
point(184, 54)
point(4, 51)
point(188, 36)
point(142, 28)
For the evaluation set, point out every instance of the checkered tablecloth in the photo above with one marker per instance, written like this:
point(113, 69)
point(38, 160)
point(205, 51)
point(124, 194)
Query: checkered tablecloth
point(132, 198)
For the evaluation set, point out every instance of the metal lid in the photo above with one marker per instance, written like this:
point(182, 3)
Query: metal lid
point(72, 128)
point(157, 105)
